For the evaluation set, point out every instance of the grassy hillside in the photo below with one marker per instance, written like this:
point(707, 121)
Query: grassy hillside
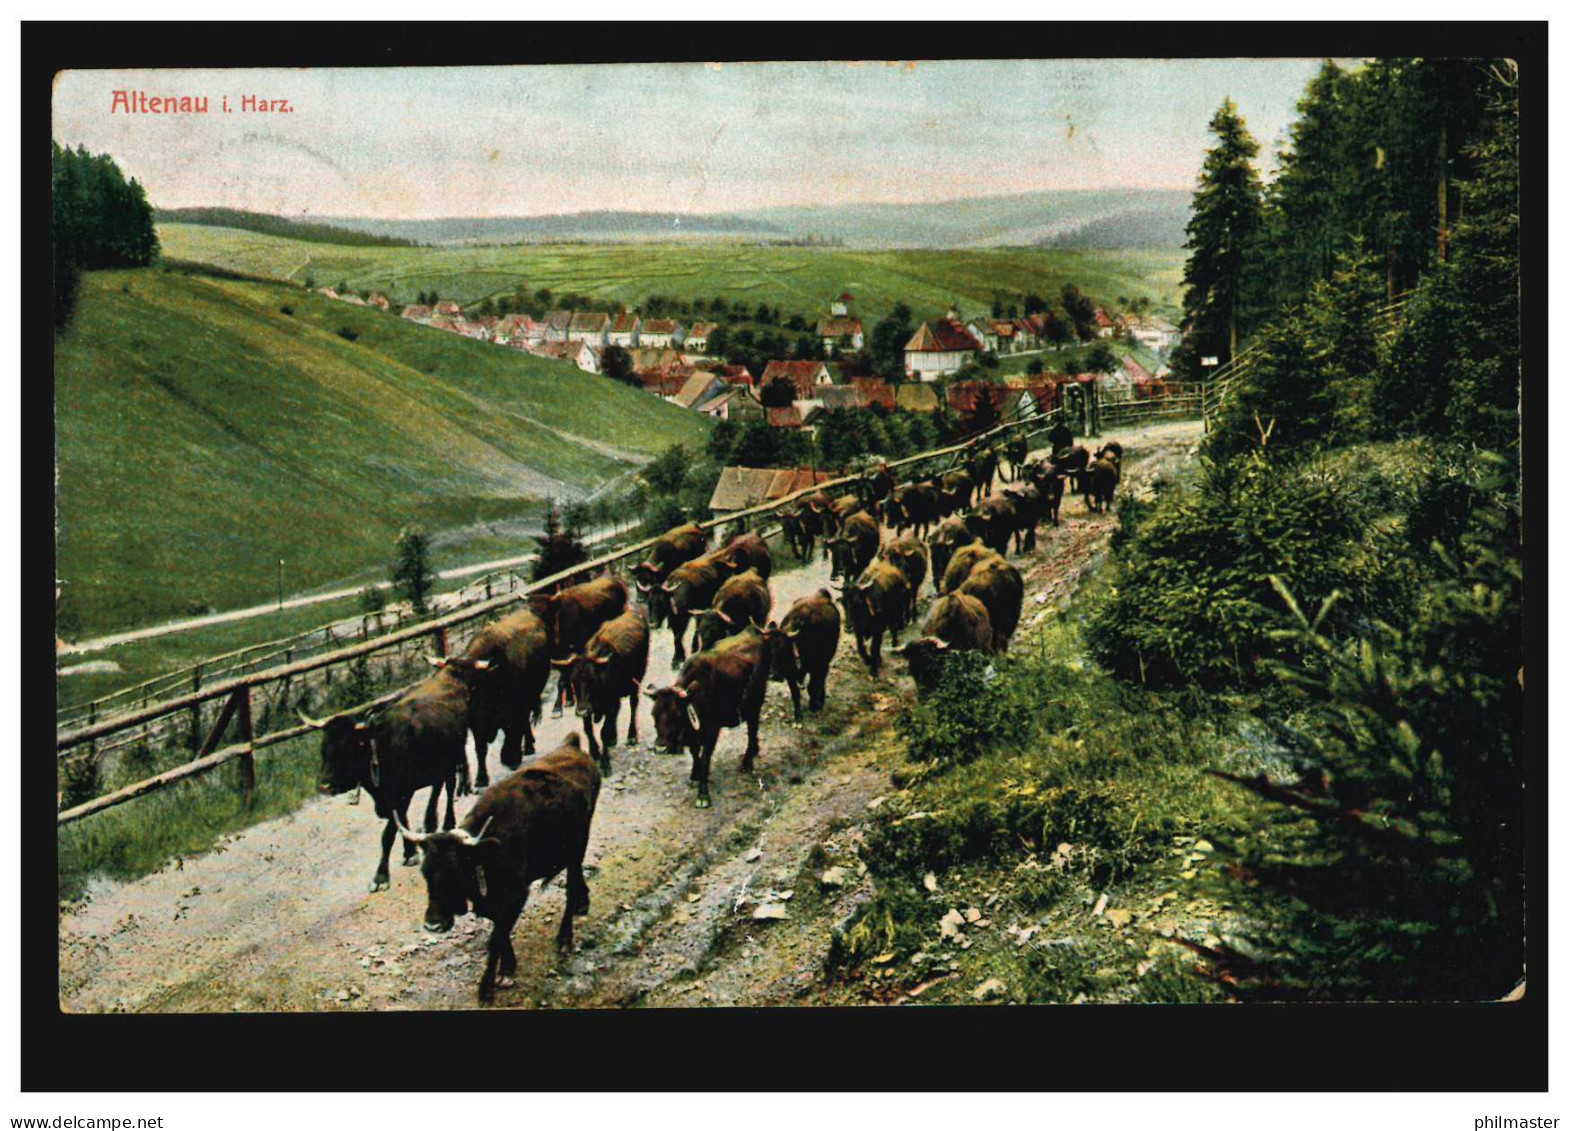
point(202, 434)
point(798, 279)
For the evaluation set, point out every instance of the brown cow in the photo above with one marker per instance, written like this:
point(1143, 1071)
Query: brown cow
point(913, 505)
point(950, 534)
point(874, 487)
point(909, 554)
point(956, 493)
point(414, 742)
point(510, 697)
point(963, 560)
point(574, 614)
point(853, 547)
point(691, 586)
point(742, 600)
point(957, 622)
point(611, 668)
point(531, 825)
point(803, 648)
point(681, 544)
point(1000, 588)
point(879, 602)
point(981, 463)
point(994, 521)
point(746, 551)
point(1050, 484)
point(1072, 465)
point(1101, 483)
point(1031, 504)
point(722, 687)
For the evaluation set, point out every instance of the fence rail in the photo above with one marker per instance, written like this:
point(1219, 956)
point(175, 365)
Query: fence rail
point(236, 689)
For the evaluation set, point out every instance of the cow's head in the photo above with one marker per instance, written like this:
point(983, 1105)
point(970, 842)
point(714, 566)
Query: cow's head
point(348, 754)
point(925, 658)
point(713, 625)
point(679, 590)
point(453, 865)
point(784, 649)
point(677, 723)
point(468, 669)
point(651, 591)
point(588, 675)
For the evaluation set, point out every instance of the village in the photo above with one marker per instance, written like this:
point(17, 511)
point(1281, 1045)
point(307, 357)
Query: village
point(951, 363)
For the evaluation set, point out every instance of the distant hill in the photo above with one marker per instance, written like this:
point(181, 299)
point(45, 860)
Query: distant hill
point(271, 225)
point(1160, 226)
point(593, 226)
point(1116, 218)
point(207, 427)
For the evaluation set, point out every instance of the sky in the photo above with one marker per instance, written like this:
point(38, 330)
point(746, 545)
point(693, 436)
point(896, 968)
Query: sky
point(422, 143)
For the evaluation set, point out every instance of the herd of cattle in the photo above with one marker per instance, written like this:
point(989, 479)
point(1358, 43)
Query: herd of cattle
point(534, 824)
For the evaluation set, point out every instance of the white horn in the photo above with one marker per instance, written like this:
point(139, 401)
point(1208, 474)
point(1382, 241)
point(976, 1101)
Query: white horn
point(463, 836)
point(409, 835)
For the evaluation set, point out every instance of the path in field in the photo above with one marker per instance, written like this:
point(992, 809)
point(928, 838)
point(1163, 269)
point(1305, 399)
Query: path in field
point(278, 917)
point(169, 627)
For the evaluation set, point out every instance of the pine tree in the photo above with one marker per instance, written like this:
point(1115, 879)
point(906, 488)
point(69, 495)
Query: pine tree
point(411, 575)
point(1227, 211)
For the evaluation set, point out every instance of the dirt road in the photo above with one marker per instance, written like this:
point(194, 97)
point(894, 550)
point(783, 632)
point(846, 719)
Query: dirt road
point(723, 906)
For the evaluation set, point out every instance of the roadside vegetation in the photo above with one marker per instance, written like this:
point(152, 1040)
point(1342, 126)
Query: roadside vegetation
point(1273, 751)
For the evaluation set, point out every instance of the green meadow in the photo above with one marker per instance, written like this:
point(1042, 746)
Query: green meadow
point(800, 280)
point(207, 427)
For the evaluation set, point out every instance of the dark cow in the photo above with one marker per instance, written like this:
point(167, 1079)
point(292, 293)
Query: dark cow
point(722, 687)
point(958, 489)
point(879, 602)
point(854, 547)
point(414, 742)
point(843, 507)
point(1000, 588)
point(574, 614)
point(531, 825)
point(691, 586)
point(673, 547)
point(746, 551)
point(742, 600)
point(909, 554)
point(801, 526)
point(510, 697)
point(1060, 438)
point(994, 521)
point(1017, 450)
point(1050, 485)
point(963, 560)
point(950, 534)
point(610, 669)
point(1072, 465)
point(1110, 447)
point(958, 622)
point(821, 504)
point(874, 487)
point(1031, 504)
point(803, 647)
point(982, 466)
point(913, 505)
point(1101, 483)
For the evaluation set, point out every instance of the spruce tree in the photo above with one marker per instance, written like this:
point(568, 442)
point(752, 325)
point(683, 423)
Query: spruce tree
point(1227, 212)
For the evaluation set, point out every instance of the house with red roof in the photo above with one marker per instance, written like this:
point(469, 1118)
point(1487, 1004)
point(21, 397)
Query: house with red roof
point(591, 326)
point(840, 306)
point(965, 398)
point(696, 340)
point(417, 313)
point(789, 417)
point(742, 487)
point(623, 331)
point(380, 301)
point(938, 349)
point(1104, 326)
point(659, 333)
point(450, 309)
point(807, 376)
point(875, 391)
point(580, 354)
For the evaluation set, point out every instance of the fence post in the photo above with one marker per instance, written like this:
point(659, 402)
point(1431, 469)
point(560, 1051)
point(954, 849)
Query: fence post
point(247, 736)
point(441, 640)
point(196, 708)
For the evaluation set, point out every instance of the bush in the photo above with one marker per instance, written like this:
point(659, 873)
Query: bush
point(348, 334)
point(1191, 600)
point(972, 710)
point(286, 310)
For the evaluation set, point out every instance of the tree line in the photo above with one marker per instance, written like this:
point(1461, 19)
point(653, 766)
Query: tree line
point(101, 220)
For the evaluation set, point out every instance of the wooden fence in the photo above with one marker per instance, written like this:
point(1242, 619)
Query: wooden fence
point(235, 690)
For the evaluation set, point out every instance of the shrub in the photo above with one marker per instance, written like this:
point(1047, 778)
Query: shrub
point(348, 334)
point(286, 310)
point(973, 709)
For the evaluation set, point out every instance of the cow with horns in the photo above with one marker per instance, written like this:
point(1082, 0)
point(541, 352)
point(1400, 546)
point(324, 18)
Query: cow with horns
point(853, 547)
point(531, 825)
point(958, 622)
point(876, 604)
point(803, 648)
point(673, 547)
point(722, 687)
point(510, 697)
point(610, 668)
point(413, 743)
point(742, 600)
point(572, 615)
